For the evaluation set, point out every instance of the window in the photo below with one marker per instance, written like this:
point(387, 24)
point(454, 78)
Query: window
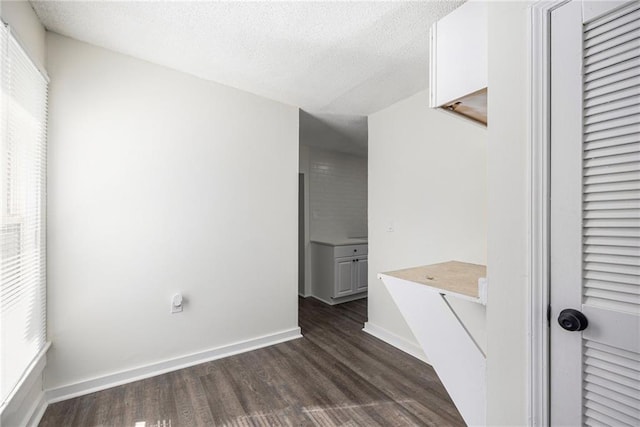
point(23, 120)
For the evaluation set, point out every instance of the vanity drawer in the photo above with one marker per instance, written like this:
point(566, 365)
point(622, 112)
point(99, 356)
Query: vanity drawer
point(349, 250)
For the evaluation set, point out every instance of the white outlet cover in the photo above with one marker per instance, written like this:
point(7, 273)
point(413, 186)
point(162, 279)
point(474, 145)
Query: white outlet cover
point(177, 303)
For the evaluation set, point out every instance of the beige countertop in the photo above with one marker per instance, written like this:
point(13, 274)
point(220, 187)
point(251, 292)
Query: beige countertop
point(452, 277)
point(340, 241)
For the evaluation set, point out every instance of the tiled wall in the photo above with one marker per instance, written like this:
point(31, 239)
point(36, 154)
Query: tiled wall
point(337, 194)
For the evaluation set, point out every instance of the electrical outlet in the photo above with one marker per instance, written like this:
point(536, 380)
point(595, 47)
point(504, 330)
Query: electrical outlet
point(390, 227)
point(176, 303)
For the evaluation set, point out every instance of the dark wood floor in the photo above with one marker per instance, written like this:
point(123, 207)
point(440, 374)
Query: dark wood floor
point(336, 375)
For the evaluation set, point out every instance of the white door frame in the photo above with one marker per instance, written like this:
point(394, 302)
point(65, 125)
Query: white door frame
point(538, 221)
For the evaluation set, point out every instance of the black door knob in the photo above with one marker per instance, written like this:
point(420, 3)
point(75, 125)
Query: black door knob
point(572, 320)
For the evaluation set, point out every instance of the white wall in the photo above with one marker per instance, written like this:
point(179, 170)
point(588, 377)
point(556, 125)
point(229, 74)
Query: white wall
point(27, 27)
point(337, 194)
point(304, 289)
point(427, 176)
point(161, 182)
point(508, 213)
point(334, 132)
point(28, 402)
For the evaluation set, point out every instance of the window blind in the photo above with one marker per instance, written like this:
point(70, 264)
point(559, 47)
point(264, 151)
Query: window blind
point(23, 121)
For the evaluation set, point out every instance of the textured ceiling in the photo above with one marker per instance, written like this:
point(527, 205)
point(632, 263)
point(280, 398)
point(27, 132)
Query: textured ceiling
point(331, 58)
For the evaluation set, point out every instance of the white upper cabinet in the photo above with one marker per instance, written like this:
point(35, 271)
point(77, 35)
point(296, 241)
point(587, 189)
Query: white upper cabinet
point(458, 63)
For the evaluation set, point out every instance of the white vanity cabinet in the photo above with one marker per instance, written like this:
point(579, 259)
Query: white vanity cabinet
point(351, 276)
point(338, 272)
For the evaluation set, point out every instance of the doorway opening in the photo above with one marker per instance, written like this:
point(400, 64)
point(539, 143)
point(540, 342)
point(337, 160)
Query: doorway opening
point(332, 207)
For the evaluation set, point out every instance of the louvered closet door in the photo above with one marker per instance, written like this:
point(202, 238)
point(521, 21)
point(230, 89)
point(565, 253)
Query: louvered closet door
point(595, 212)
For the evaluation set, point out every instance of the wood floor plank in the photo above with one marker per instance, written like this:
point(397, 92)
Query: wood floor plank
point(321, 382)
point(336, 375)
point(61, 413)
point(224, 403)
point(86, 410)
point(366, 354)
point(192, 406)
point(133, 395)
point(110, 408)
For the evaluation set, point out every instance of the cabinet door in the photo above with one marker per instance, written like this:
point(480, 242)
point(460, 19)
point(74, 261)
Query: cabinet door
point(344, 277)
point(361, 276)
point(459, 46)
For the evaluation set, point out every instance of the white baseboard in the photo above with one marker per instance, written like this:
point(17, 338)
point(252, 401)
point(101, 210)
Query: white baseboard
point(397, 341)
point(322, 300)
point(38, 411)
point(157, 368)
point(335, 301)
